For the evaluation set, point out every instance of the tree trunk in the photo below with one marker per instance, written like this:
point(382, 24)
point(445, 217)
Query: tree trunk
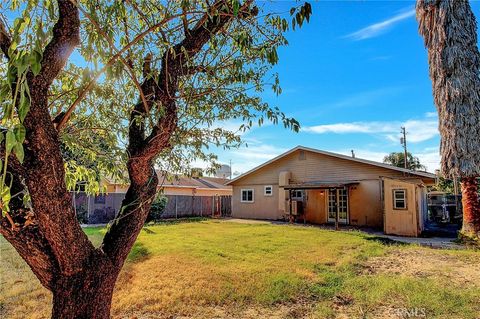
point(471, 207)
point(87, 295)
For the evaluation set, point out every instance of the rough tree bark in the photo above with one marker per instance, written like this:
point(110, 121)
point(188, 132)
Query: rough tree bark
point(49, 238)
point(471, 205)
point(449, 29)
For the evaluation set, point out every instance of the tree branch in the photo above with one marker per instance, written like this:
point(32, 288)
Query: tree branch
point(83, 92)
point(66, 36)
point(44, 165)
point(33, 247)
point(5, 40)
point(25, 236)
point(173, 66)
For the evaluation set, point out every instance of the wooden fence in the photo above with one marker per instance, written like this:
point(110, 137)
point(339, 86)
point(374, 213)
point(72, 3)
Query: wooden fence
point(103, 208)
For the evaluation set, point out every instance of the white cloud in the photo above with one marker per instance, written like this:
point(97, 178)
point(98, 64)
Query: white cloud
point(380, 27)
point(417, 130)
point(352, 127)
point(246, 158)
point(256, 152)
point(429, 158)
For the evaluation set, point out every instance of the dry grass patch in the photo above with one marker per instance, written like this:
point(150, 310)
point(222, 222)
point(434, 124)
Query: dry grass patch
point(459, 269)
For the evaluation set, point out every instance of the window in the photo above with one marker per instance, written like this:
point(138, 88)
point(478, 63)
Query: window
point(268, 190)
point(297, 195)
point(247, 196)
point(399, 199)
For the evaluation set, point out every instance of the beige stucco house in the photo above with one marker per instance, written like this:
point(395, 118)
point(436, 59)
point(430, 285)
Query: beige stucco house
point(179, 185)
point(321, 187)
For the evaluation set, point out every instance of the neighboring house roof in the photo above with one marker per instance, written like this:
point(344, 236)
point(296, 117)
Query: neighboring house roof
point(181, 181)
point(341, 156)
point(191, 182)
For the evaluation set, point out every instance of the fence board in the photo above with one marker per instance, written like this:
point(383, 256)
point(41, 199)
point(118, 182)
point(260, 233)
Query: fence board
point(103, 208)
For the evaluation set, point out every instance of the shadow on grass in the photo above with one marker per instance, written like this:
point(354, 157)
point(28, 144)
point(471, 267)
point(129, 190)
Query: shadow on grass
point(386, 241)
point(139, 253)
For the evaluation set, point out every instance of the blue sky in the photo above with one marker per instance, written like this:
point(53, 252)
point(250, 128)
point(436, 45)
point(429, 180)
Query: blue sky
point(352, 77)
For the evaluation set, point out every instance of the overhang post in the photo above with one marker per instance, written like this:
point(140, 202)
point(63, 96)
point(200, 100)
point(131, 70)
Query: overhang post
point(336, 208)
point(290, 216)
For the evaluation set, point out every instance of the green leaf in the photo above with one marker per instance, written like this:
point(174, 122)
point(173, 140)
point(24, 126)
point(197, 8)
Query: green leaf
point(20, 133)
point(236, 7)
point(6, 196)
point(12, 74)
point(19, 152)
point(36, 62)
point(22, 65)
point(10, 142)
point(24, 107)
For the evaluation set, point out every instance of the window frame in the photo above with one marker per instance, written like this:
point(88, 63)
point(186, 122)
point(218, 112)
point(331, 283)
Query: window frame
point(265, 190)
point(247, 190)
point(394, 199)
point(298, 197)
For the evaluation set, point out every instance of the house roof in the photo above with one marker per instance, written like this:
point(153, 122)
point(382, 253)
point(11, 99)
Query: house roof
point(168, 180)
point(181, 181)
point(341, 156)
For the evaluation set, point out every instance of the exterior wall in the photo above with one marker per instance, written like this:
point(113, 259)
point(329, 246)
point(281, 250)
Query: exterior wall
point(365, 204)
point(404, 222)
point(168, 190)
point(209, 192)
point(263, 207)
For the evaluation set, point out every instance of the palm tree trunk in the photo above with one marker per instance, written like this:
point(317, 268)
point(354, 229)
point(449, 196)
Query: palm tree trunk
point(471, 207)
point(449, 29)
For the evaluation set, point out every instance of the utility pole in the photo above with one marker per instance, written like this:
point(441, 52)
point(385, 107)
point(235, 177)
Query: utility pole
point(403, 141)
point(230, 163)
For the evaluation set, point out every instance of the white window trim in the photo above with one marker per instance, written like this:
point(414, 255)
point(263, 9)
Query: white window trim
point(404, 199)
point(265, 190)
point(241, 195)
point(296, 197)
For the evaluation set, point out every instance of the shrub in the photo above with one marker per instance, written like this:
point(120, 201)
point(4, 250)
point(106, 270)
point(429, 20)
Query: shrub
point(157, 209)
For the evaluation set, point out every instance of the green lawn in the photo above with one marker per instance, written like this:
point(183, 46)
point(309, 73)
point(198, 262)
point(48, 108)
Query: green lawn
point(224, 269)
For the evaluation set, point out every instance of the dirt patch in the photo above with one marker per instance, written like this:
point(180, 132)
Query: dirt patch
point(425, 263)
point(223, 312)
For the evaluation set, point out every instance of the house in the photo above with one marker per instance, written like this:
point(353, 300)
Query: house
point(321, 186)
point(186, 197)
point(180, 185)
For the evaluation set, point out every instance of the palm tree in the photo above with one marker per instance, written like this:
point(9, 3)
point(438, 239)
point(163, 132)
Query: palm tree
point(449, 31)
